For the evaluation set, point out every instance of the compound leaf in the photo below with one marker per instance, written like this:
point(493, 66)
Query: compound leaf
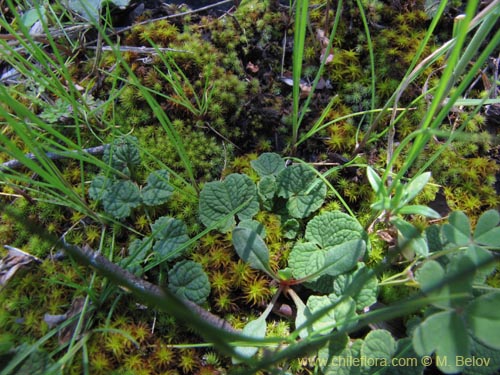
point(487, 231)
point(158, 190)
point(411, 238)
point(169, 235)
point(445, 334)
point(458, 229)
point(431, 277)
point(121, 198)
point(269, 163)
point(188, 280)
point(483, 319)
point(219, 198)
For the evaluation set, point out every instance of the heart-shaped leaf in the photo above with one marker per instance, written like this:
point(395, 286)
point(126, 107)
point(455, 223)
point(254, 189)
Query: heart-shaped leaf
point(487, 231)
point(219, 198)
point(378, 347)
point(123, 154)
point(458, 229)
point(483, 319)
point(157, 190)
point(268, 164)
point(122, 196)
point(333, 228)
point(169, 234)
point(307, 260)
point(188, 280)
point(445, 334)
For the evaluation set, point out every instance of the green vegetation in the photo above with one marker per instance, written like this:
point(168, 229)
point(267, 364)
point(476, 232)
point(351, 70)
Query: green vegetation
point(301, 189)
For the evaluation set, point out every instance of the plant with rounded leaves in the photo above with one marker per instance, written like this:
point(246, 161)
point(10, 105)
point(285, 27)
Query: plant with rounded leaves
point(119, 195)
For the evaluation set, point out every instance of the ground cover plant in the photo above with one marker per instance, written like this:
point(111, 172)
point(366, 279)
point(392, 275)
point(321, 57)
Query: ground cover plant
point(261, 187)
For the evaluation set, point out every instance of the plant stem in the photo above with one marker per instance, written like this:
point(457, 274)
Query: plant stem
point(16, 164)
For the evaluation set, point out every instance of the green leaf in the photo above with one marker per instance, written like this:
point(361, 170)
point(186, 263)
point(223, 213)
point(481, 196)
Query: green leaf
point(169, 235)
point(123, 154)
point(480, 257)
point(322, 285)
point(306, 260)
point(483, 319)
point(435, 240)
point(188, 280)
point(31, 16)
point(37, 362)
point(90, 9)
point(139, 249)
point(432, 279)
point(364, 297)
point(121, 197)
point(301, 318)
point(378, 347)
point(338, 314)
point(305, 203)
point(219, 198)
point(268, 164)
point(488, 360)
point(419, 210)
point(290, 228)
point(99, 187)
point(255, 329)
point(345, 362)
point(333, 228)
point(487, 231)
point(335, 348)
point(376, 182)
point(252, 249)
point(458, 230)
point(285, 274)
point(415, 186)
point(408, 362)
point(304, 191)
point(266, 188)
point(255, 226)
point(158, 190)
point(410, 237)
point(445, 334)
point(295, 179)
